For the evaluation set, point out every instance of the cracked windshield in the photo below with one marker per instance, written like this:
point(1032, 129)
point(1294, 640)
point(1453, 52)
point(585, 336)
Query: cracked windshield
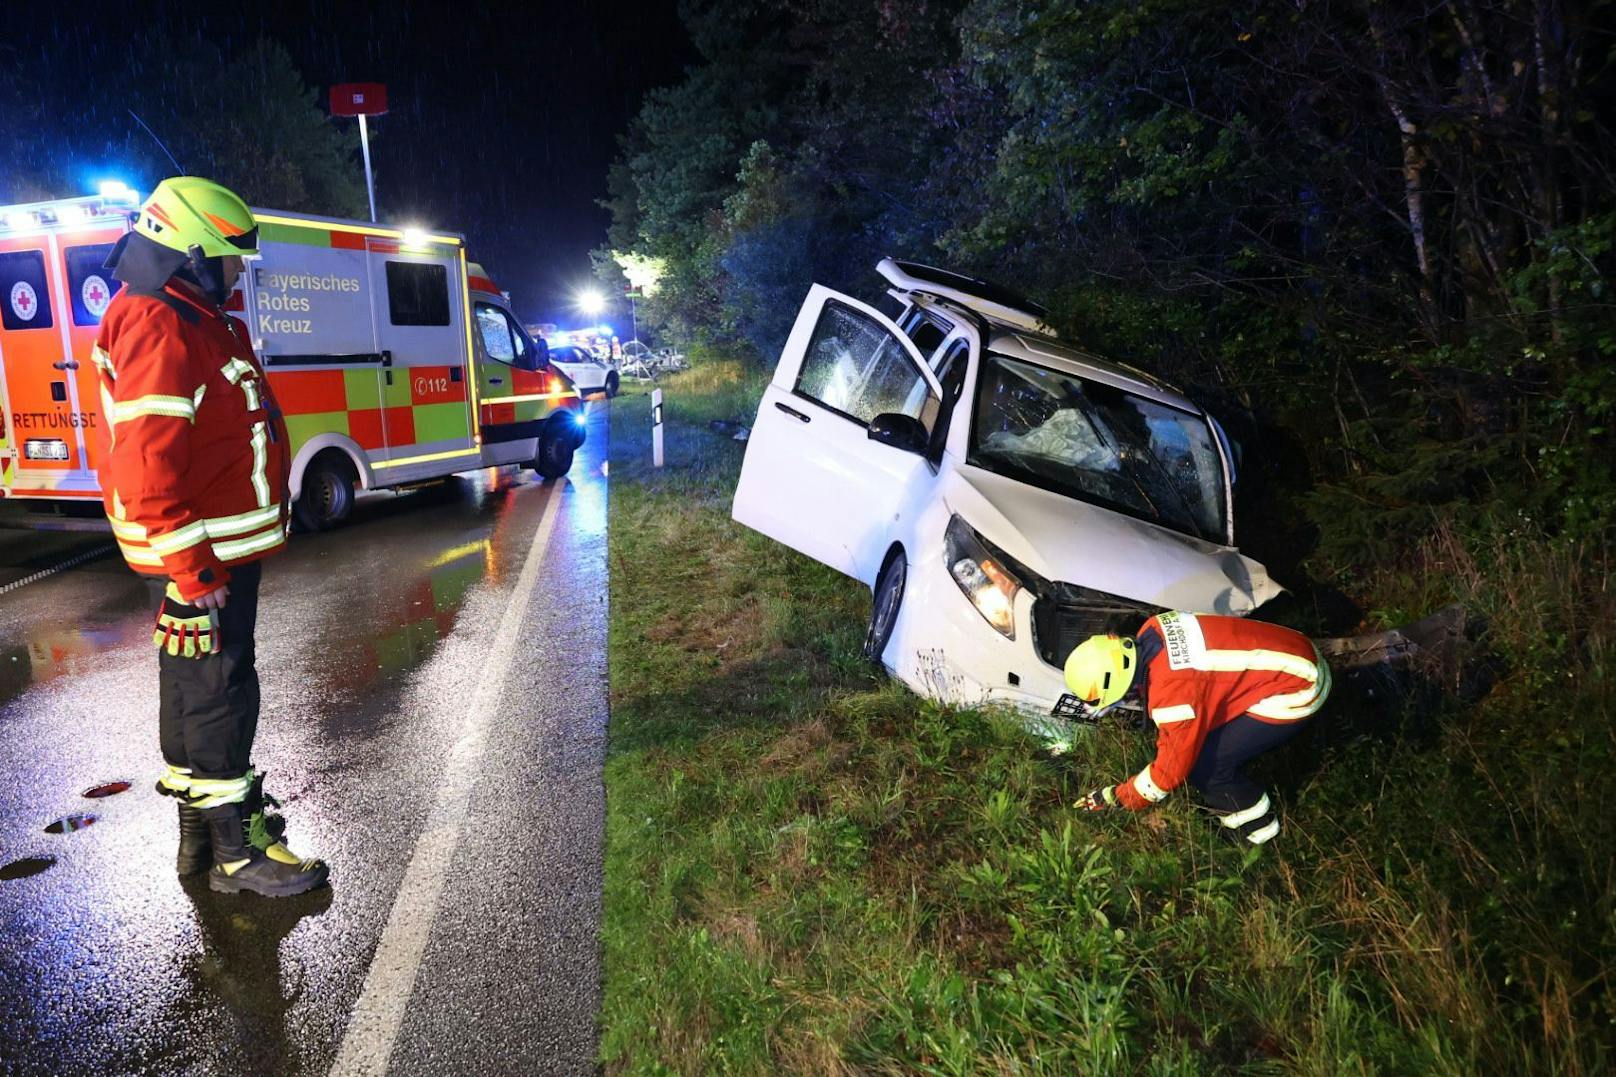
point(1098, 443)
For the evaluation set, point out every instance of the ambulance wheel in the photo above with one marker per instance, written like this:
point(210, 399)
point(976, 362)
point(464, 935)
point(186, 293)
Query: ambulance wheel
point(555, 456)
point(327, 499)
point(613, 383)
point(886, 601)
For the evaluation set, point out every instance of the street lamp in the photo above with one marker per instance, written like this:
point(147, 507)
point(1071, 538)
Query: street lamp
point(590, 301)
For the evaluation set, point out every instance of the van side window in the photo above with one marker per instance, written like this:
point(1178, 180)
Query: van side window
point(855, 367)
point(496, 334)
point(925, 333)
point(90, 286)
point(506, 341)
point(417, 293)
point(24, 298)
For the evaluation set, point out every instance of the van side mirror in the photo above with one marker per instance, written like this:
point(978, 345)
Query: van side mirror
point(900, 431)
point(537, 357)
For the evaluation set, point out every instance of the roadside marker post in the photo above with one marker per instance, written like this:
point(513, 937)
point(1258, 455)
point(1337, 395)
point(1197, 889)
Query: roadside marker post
point(656, 427)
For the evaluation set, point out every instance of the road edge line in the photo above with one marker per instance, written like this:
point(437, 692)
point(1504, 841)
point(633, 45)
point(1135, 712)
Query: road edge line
point(378, 1015)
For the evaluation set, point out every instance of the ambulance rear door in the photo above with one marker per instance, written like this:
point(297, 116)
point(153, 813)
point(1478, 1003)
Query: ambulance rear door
point(52, 295)
point(419, 292)
point(89, 288)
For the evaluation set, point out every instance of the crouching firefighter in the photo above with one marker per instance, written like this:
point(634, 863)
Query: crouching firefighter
point(195, 485)
point(1221, 691)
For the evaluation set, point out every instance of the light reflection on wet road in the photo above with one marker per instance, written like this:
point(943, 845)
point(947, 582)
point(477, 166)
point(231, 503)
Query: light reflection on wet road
point(371, 643)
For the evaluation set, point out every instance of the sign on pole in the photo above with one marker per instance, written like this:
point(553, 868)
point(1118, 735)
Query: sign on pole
point(361, 99)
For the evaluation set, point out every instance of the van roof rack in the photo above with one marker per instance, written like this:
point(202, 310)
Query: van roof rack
point(986, 298)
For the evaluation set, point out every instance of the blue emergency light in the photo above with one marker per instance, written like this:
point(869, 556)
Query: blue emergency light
point(118, 191)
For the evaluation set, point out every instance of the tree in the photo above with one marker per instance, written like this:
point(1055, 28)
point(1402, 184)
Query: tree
point(248, 121)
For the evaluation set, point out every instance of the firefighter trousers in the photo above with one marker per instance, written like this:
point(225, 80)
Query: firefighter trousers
point(208, 707)
point(1220, 770)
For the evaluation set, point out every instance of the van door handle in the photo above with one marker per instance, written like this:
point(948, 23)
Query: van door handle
point(496, 381)
point(66, 364)
point(793, 412)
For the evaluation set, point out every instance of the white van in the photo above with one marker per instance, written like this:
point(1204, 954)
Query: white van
point(1003, 494)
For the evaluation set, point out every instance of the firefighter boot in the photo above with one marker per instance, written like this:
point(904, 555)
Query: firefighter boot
point(266, 830)
point(196, 847)
point(239, 865)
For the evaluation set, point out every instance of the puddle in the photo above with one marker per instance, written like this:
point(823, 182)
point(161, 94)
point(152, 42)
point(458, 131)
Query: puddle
point(69, 823)
point(27, 867)
point(105, 789)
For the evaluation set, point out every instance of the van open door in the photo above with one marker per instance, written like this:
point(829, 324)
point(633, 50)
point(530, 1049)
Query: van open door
point(813, 478)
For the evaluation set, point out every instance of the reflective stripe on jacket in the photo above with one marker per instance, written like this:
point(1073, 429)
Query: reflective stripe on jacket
point(195, 464)
point(1209, 670)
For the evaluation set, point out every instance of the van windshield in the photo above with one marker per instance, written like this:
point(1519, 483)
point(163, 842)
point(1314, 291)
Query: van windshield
point(1100, 444)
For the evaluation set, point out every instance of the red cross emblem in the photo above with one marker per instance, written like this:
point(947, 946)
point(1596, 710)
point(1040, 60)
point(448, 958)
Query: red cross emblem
point(95, 295)
point(23, 300)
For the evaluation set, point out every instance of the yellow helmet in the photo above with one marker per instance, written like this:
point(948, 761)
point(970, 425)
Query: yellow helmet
point(187, 212)
point(1100, 670)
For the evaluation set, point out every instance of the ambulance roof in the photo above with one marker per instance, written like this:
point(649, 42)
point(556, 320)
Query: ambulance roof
point(407, 233)
point(480, 281)
point(62, 214)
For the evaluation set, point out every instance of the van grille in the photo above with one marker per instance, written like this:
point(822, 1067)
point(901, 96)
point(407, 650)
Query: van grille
point(1065, 615)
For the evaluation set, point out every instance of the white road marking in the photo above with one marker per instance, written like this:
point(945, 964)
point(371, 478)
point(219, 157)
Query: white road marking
point(378, 1015)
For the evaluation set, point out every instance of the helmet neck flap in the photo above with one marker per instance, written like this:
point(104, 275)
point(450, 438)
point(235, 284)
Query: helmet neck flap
point(145, 264)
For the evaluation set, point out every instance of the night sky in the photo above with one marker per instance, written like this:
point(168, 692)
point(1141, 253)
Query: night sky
point(503, 118)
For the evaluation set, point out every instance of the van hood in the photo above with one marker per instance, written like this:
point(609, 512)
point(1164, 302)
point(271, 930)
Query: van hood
point(1070, 541)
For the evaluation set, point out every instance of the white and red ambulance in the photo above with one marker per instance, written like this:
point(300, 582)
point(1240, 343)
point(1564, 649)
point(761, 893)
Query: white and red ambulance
point(395, 359)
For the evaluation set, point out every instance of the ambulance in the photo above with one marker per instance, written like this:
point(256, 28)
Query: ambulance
point(394, 358)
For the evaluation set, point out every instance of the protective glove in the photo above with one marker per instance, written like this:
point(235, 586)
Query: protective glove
point(1104, 799)
point(184, 629)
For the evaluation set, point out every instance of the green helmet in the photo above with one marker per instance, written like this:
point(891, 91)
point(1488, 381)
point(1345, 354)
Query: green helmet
point(186, 212)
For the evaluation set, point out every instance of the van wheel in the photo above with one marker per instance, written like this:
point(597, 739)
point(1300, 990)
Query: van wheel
point(327, 499)
point(613, 383)
point(887, 600)
point(555, 456)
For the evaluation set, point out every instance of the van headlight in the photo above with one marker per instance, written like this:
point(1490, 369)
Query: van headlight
point(982, 575)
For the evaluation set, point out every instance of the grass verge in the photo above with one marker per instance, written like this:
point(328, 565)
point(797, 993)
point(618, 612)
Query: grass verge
point(809, 869)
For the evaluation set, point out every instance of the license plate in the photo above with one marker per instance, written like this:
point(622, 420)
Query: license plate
point(1070, 707)
point(44, 449)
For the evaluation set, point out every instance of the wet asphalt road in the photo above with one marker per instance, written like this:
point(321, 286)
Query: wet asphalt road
point(471, 613)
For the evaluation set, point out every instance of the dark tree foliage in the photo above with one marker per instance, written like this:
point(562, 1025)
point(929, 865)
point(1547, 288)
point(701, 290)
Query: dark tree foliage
point(247, 120)
point(1386, 226)
point(1376, 238)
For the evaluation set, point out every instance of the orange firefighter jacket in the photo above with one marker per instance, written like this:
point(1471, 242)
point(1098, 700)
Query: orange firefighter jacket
point(195, 451)
point(1208, 671)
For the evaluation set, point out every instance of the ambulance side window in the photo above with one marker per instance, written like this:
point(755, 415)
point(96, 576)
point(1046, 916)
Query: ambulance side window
point(24, 298)
point(417, 293)
point(90, 285)
point(496, 333)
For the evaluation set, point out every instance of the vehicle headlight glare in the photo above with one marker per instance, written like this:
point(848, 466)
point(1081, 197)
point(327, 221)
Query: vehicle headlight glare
point(990, 587)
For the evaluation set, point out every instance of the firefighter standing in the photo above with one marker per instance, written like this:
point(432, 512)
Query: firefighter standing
point(1221, 691)
point(195, 486)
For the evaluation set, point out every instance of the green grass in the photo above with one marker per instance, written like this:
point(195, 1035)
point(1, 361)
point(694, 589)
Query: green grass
point(809, 869)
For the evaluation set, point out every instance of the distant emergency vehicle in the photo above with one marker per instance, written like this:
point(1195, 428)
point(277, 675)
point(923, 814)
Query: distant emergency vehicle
point(394, 358)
